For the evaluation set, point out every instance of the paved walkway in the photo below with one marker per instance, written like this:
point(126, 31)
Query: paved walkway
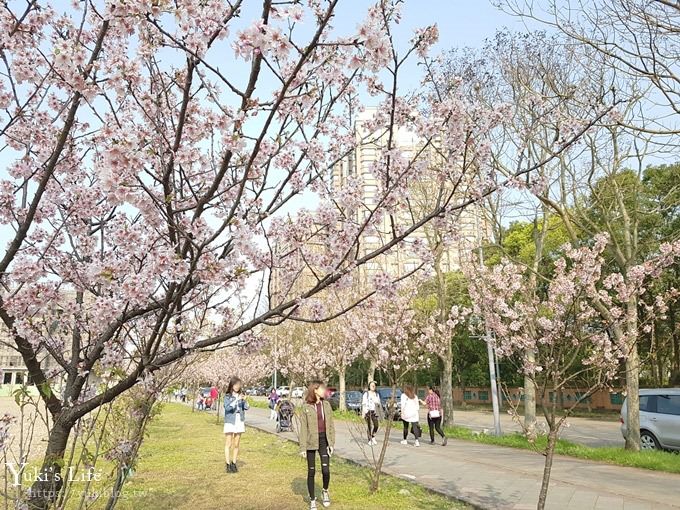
point(494, 477)
point(587, 431)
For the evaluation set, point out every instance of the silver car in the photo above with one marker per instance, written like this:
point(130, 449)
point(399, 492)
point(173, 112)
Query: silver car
point(659, 419)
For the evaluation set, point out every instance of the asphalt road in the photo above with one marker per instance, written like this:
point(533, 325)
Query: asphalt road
point(586, 431)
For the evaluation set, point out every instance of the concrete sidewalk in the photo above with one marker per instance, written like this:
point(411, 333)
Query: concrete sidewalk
point(496, 477)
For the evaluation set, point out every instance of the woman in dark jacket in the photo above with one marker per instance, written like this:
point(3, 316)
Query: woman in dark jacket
point(317, 433)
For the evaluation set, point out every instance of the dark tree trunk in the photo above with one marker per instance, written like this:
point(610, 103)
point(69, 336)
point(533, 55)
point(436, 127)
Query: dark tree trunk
point(46, 487)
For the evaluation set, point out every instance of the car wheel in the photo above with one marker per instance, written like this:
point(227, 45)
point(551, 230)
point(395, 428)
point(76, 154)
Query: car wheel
point(648, 441)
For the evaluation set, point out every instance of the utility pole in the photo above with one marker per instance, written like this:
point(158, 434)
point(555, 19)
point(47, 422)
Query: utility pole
point(276, 356)
point(489, 347)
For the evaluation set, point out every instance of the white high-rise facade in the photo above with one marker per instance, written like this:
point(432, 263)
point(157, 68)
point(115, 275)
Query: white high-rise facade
point(401, 260)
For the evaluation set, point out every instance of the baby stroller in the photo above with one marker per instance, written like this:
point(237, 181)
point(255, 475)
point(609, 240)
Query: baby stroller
point(284, 416)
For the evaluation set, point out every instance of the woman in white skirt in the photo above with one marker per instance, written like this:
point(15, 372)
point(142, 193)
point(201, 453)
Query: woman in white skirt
point(235, 407)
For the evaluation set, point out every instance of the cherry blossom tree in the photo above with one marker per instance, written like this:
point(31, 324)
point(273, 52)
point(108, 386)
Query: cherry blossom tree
point(397, 341)
point(219, 367)
point(571, 329)
point(155, 158)
point(341, 349)
point(630, 49)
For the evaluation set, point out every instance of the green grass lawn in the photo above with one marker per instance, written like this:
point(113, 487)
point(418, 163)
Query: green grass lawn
point(182, 467)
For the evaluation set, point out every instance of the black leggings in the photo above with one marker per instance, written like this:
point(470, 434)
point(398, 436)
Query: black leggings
point(372, 424)
point(325, 465)
point(415, 429)
point(435, 423)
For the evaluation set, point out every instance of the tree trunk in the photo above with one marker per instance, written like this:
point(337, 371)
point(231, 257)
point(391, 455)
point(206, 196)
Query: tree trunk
point(547, 468)
point(447, 387)
point(375, 482)
point(632, 379)
point(371, 372)
point(46, 487)
point(342, 405)
point(530, 398)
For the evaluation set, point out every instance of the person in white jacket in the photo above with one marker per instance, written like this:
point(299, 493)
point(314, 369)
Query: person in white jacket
point(371, 409)
point(410, 414)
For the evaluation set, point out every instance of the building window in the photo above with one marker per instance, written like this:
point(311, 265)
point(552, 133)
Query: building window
point(7, 378)
point(19, 378)
point(483, 395)
point(467, 395)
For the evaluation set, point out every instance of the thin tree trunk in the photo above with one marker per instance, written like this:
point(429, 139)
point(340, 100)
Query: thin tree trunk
point(341, 387)
point(632, 379)
point(547, 468)
point(530, 398)
point(375, 482)
point(675, 346)
point(371, 371)
point(447, 386)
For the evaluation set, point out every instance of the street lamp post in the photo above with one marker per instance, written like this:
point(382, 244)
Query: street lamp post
point(490, 350)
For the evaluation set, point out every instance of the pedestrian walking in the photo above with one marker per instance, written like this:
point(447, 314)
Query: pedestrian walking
point(214, 394)
point(433, 402)
point(371, 410)
point(410, 410)
point(273, 400)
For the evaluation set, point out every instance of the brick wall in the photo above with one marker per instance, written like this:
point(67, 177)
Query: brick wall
point(601, 399)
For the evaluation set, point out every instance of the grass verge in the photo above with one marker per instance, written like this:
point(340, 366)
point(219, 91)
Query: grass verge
point(652, 460)
point(182, 467)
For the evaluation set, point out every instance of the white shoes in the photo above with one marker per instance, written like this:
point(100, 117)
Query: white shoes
point(404, 441)
point(312, 504)
point(374, 441)
point(325, 498)
point(417, 443)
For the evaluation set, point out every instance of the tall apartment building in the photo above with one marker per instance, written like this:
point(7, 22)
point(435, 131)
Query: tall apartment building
point(402, 260)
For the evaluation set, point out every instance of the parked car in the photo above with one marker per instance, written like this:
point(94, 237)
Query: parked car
point(283, 391)
point(659, 419)
point(385, 397)
point(330, 391)
point(352, 401)
point(298, 392)
point(256, 391)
